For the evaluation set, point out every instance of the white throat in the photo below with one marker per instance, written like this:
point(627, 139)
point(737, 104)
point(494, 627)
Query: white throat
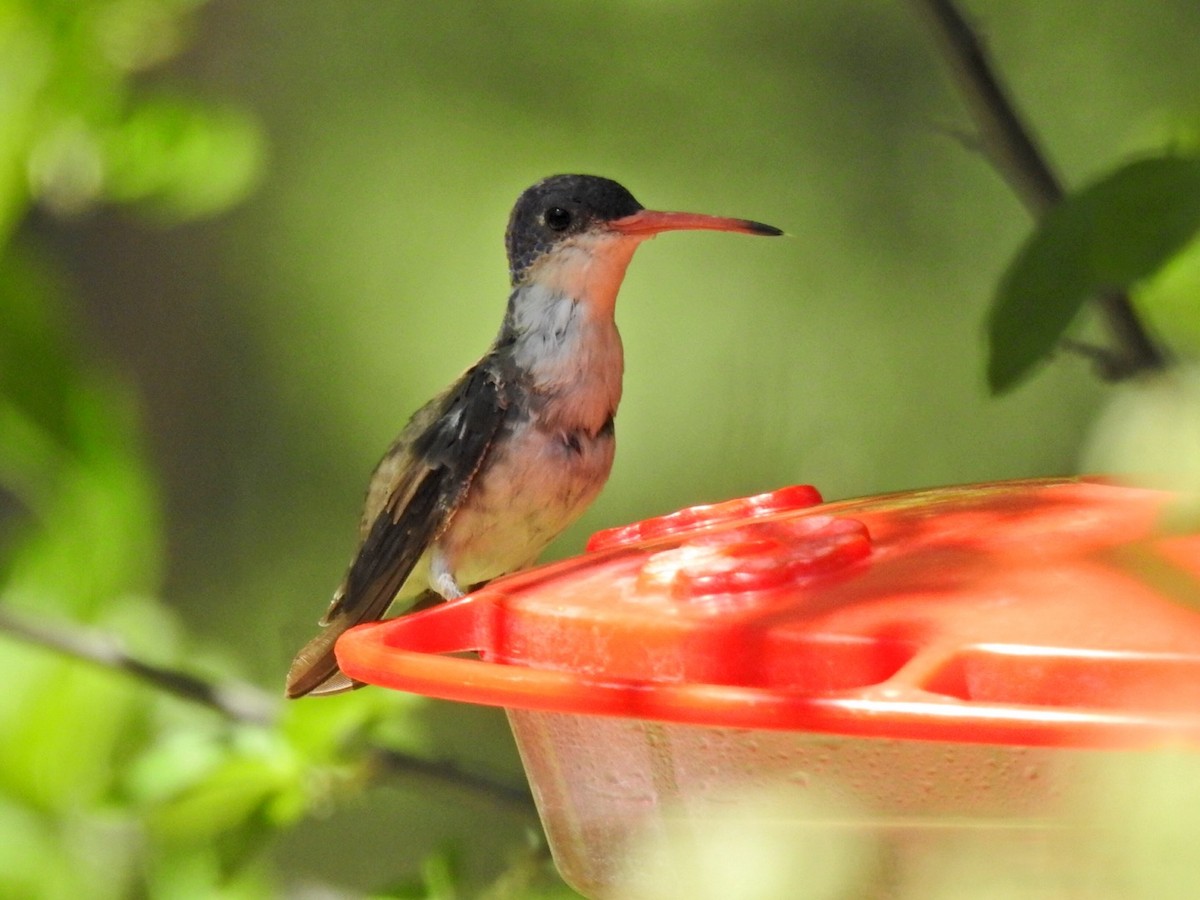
point(566, 337)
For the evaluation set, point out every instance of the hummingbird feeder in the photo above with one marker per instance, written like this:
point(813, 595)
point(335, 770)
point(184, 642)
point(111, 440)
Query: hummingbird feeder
point(949, 663)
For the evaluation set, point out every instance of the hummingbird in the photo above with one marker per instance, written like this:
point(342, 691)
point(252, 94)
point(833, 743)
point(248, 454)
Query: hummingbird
point(492, 469)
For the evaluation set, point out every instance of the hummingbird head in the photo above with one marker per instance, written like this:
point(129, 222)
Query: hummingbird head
point(592, 225)
point(570, 239)
point(557, 212)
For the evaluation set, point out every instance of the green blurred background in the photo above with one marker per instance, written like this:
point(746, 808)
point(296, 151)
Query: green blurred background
point(272, 272)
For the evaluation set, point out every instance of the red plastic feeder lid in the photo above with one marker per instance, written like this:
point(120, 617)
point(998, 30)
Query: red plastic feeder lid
point(1030, 612)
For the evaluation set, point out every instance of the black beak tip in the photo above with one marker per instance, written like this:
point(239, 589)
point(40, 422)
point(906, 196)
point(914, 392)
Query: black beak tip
point(760, 228)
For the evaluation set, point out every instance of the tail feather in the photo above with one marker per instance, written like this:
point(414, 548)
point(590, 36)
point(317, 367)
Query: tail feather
point(315, 670)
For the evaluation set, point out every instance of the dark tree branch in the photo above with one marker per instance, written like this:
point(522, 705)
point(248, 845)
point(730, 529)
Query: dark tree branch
point(1014, 153)
point(238, 702)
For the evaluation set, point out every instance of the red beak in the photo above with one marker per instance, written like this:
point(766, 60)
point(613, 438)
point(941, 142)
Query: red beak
point(650, 222)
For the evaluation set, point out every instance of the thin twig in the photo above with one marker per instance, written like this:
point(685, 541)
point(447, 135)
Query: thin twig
point(451, 774)
point(1015, 155)
point(238, 702)
point(1003, 136)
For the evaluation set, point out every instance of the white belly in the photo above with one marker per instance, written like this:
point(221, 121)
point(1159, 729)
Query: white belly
point(536, 486)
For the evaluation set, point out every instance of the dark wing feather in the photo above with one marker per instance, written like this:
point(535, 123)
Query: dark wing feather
point(443, 458)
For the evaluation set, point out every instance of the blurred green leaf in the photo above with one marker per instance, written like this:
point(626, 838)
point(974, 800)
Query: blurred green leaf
point(26, 63)
point(67, 857)
point(227, 799)
point(72, 133)
point(438, 881)
point(97, 533)
point(170, 767)
point(1109, 235)
point(182, 160)
point(26, 853)
point(199, 873)
point(1170, 301)
point(41, 757)
point(136, 34)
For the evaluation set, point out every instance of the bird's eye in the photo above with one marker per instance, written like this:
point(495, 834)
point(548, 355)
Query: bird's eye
point(557, 219)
